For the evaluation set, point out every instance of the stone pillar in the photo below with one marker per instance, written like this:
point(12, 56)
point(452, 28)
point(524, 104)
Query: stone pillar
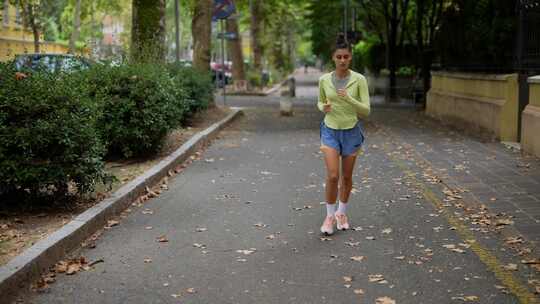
point(530, 119)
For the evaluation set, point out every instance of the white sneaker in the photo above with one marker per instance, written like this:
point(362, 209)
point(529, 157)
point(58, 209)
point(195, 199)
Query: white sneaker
point(328, 225)
point(342, 221)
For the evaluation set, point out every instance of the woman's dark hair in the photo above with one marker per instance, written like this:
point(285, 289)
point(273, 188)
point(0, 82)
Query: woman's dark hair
point(341, 43)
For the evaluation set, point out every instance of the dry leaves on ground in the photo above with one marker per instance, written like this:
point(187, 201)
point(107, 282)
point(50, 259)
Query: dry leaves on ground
point(385, 300)
point(358, 258)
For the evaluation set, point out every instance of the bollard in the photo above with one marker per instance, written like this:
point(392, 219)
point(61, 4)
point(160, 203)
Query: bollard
point(285, 102)
point(291, 81)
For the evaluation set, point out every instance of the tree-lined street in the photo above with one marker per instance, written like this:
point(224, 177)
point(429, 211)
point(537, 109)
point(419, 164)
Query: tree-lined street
point(241, 222)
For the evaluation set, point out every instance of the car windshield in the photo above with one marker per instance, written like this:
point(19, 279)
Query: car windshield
point(66, 64)
point(50, 63)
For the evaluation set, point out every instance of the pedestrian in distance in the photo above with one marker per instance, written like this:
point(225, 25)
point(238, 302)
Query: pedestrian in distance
point(344, 98)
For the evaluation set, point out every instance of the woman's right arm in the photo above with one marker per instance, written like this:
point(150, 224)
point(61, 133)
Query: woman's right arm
point(322, 97)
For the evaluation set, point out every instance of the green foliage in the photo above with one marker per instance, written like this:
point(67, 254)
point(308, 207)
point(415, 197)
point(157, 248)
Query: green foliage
point(325, 26)
point(141, 103)
point(254, 78)
point(478, 35)
point(197, 87)
point(48, 135)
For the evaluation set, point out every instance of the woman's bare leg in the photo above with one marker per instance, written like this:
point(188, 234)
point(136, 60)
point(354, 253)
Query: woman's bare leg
point(347, 168)
point(331, 158)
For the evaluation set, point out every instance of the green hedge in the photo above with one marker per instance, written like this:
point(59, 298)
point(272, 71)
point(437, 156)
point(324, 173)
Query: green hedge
point(197, 86)
point(140, 104)
point(48, 135)
point(56, 129)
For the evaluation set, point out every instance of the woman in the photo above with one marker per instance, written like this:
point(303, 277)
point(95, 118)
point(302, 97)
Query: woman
point(343, 97)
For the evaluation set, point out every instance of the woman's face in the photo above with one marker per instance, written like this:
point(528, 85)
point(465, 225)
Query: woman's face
point(342, 58)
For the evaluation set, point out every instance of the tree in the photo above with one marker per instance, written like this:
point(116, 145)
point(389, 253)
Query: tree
point(201, 28)
point(235, 51)
point(428, 20)
point(148, 30)
point(76, 27)
point(255, 32)
point(32, 17)
point(62, 25)
point(283, 23)
point(389, 20)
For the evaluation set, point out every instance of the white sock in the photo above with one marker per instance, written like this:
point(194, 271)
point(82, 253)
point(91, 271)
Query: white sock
point(342, 207)
point(330, 209)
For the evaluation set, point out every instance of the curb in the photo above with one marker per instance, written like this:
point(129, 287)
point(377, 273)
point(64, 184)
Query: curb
point(31, 263)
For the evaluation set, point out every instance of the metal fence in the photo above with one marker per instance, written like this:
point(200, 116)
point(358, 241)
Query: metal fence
point(528, 44)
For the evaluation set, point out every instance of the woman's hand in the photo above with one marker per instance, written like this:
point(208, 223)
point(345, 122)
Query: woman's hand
point(327, 107)
point(342, 93)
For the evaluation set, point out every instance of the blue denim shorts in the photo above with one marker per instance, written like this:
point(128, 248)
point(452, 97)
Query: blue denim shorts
point(346, 142)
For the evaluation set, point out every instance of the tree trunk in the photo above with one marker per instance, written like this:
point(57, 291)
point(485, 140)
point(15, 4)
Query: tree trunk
point(201, 29)
point(177, 28)
point(148, 31)
point(420, 38)
point(29, 18)
point(392, 60)
point(76, 27)
point(256, 43)
point(235, 51)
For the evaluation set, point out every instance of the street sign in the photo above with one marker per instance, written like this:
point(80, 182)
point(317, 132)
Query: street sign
point(223, 9)
point(227, 35)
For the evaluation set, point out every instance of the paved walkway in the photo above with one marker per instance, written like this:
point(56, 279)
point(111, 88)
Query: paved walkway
point(242, 221)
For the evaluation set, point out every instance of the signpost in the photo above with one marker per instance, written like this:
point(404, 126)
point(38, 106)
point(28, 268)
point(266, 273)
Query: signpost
point(223, 9)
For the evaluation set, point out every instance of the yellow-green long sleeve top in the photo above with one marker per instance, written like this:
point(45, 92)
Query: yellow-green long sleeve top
point(344, 111)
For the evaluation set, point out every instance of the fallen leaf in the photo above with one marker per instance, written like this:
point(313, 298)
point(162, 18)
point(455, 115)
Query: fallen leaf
point(357, 258)
point(162, 239)
point(375, 278)
point(73, 268)
point(112, 223)
point(467, 298)
point(347, 279)
point(502, 222)
point(387, 231)
point(191, 290)
point(511, 267)
point(385, 300)
point(532, 261)
point(246, 251)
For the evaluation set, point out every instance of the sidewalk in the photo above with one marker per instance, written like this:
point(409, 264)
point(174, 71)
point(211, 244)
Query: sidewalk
point(241, 222)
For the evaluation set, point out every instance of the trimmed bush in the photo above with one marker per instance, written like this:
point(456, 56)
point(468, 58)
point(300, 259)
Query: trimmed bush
point(141, 103)
point(197, 86)
point(48, 135)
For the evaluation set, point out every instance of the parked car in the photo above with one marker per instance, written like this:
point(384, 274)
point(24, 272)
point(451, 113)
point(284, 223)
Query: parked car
point(217, 72)
point(51, 62)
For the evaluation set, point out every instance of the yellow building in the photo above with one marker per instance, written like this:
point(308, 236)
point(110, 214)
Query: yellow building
point(15, 39)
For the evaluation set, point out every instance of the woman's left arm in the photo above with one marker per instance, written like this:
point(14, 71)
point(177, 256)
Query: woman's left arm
point(361, 106)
